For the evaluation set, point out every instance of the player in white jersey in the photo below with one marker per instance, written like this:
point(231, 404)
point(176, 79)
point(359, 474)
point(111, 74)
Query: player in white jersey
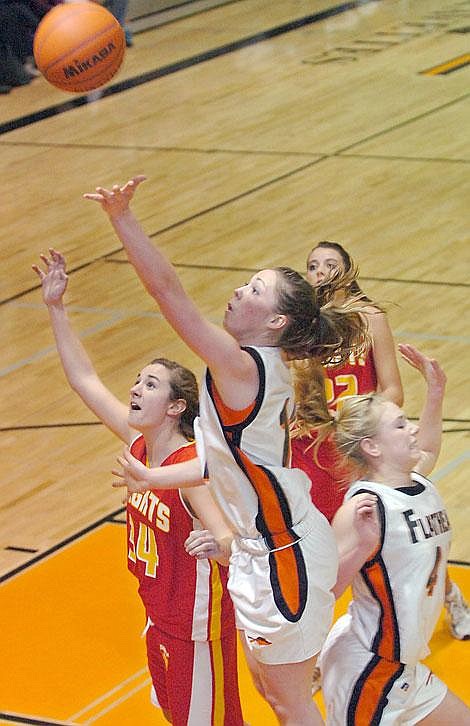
point(284, 562)
point(393, 538)
point(282, 567)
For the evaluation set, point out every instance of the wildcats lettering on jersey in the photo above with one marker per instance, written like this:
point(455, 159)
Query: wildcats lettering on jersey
point(150, 505)
point(421, 528)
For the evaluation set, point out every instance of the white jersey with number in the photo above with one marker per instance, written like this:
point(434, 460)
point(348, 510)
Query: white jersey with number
point(248, 453)
point(284, 557)
point(398, 594)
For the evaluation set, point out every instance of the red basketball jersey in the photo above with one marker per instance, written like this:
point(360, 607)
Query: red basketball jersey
point(357, 376)
point(184, 596)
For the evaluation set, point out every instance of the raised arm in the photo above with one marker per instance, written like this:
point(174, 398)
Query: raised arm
point(357, 531)
point(430, 423)
point(217, 348)
point(76, 363)
point(385, 358)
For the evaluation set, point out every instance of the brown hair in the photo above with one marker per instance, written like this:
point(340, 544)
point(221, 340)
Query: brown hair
point(183, 384)
point(346, 280)
point(326, 333)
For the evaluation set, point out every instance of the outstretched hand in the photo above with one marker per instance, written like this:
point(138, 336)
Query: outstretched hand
point(132, 473)
point(115, 201)
point(54, 280)
point(428, 367)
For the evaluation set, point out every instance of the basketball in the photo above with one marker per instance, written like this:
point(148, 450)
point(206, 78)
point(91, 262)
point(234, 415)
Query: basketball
point(79, 46)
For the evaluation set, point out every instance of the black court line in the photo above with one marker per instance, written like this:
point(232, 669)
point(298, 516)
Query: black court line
point(18, 718)
point(369, 279)
point(68, 540)
point(13, 548)
point(162, 149)
point(36, 427)
point(108, 519)
point(391, 157)
point(400, 125)
point(181, 222)
point(221, 268)
point(417, 282)
point(180, 65)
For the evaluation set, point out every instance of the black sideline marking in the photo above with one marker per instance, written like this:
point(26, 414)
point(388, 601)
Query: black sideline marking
point(179, 66)
point(13, 548)
point(60, 545)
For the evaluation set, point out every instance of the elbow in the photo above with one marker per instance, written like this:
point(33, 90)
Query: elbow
point(393, 393)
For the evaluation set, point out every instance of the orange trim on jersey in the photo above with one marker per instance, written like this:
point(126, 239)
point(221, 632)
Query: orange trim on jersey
point(275, 521)
point(387, 638)
point(230, 416)
point(369, 697)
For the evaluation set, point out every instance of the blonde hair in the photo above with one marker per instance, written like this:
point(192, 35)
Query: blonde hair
point(357, 419)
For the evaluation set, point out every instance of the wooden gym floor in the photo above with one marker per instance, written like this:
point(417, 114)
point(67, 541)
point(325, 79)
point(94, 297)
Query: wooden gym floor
point(262, 126)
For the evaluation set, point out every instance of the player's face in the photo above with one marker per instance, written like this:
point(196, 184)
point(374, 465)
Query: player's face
point(322, 263)
point(150, 397)
point(396, 438)
point(252, 308)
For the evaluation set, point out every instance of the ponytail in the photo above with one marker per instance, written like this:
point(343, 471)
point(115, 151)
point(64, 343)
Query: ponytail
point(329, 332)
point(311, 409)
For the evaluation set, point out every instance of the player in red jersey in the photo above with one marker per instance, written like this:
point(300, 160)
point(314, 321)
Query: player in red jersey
point(376, 371)
point(191, 636)
point(283, 558)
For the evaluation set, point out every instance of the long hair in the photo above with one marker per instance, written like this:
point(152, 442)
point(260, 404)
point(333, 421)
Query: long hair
point(348, 278)
point(183, 384)
point(357, 419)
point(311, 406)
point(325, 333)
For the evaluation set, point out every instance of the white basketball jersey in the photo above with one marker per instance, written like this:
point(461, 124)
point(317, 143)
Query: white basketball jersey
point(399, 592)
point(248, 455)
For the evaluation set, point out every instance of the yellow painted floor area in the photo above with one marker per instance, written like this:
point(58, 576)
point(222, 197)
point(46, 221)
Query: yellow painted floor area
point(71, 651)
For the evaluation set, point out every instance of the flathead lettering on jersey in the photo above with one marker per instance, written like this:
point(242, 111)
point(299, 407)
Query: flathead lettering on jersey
point(399, 592)
point(421, 528)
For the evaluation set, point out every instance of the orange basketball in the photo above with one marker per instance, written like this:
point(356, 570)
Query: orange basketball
point(79, 46)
